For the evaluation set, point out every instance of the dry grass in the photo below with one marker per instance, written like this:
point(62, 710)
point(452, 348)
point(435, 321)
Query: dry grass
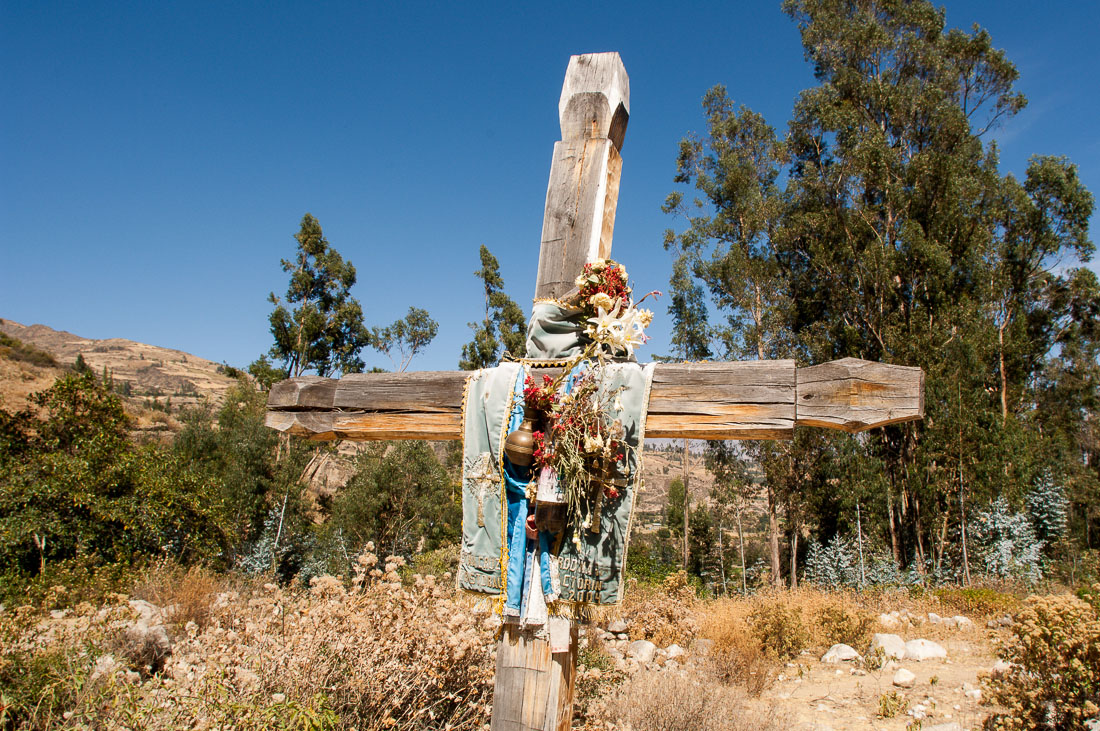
point(186, 594)
point(379, 655)
point(671, 702)
point(663, 615)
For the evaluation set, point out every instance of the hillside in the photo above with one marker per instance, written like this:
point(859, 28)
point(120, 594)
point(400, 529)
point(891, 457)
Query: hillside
point(151, 372)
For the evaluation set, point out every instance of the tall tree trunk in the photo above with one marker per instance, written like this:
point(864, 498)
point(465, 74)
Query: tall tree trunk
point(773, 539)
point(794, 554)
point(741, 541)
point(859, 540)
point(687, 503)
point(722, 557)
point(894, 546)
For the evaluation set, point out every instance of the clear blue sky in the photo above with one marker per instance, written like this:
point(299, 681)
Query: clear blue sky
point(157, 157)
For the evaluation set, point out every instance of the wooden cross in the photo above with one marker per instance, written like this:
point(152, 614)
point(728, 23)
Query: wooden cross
point(746, 400)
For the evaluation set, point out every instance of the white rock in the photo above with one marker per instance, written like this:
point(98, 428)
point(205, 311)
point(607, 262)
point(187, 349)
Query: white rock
point(923, 650)
point(947, 621)
point(934, 618)
point(841, 653)
point(1000, 668)
point(642, 651)
point(278, 697)
point(616, 627)
point(623, 636)
point(105, 665)
point(889, 621)
point(672, 665)
point(892, 647)
point(974, 694)
point(673, 651)
point(145, 610)
point(904, 678)
point(962, 622)
point(953, 726)
point(1093, 724)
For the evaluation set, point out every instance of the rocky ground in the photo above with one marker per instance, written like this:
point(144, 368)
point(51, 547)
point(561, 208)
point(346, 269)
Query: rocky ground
point(917, 668)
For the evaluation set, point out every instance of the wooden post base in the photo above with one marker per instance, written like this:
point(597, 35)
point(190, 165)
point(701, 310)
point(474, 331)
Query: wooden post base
point(534, 687)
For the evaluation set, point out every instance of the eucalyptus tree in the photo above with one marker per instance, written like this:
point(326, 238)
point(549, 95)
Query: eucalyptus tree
point(895, 237)
point(504, 328)
point(319, 325)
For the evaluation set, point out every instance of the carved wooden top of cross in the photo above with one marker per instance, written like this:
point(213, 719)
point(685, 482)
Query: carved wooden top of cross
point(712, 400)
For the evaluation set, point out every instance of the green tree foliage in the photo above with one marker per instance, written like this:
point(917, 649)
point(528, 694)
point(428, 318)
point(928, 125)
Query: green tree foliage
point(879, 226)
point(251, 470)
point(320, 326)
point(405, 338)
point(400, 497)
point(504, 329)
point(73, 487)
point(266, 373)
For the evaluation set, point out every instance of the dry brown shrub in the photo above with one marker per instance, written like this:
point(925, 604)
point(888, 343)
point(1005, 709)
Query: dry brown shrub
point(838, 622)
point(1054, 678)
point(664, 701)
point(185, 594)
point(663, 615)
point(777, 623)
point(737, 657)
point(378, 656)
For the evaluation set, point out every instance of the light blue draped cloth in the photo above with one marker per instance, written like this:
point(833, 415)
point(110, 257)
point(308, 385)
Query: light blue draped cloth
point(497, 558)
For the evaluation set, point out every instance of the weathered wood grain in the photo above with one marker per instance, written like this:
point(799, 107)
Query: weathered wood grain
point(854, 395)
point(746, 400)
point(534, 688)
point(583, 191)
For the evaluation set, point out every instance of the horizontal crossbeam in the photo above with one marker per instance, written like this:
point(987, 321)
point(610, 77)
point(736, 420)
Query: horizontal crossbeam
point(743, 400)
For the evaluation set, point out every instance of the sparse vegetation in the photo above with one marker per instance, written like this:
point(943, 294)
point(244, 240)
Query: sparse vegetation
point(15, 349)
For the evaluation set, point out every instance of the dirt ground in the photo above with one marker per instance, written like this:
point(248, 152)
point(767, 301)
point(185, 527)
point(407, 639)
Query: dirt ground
point(820, 696)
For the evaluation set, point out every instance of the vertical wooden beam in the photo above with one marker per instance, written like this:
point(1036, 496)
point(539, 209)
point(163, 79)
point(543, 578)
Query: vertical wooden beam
point(534, 687)
point(584, 176)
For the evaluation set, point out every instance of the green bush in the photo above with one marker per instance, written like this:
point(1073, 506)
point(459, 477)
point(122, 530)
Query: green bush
point(981, 601)
point(75, 492)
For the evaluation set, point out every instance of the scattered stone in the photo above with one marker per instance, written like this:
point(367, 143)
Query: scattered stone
point(1000, 668)
point(278, 697)
point(904, 678)
point(924, 650)
point(58, 613)
point(858, 671)
point(889, 621)
point(642, 651)
point(973, 694)
point(622, 636)
point(674, 651)
point(672, 665)
point(1093, 724)
point(947, 621)
point(105, 665)
point(841, 653)
point(953, 726)
point(962, 622)
point(891, 646)
point(918, 711)
point(934, 618)
point(616, 627)
point(1006, 621)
